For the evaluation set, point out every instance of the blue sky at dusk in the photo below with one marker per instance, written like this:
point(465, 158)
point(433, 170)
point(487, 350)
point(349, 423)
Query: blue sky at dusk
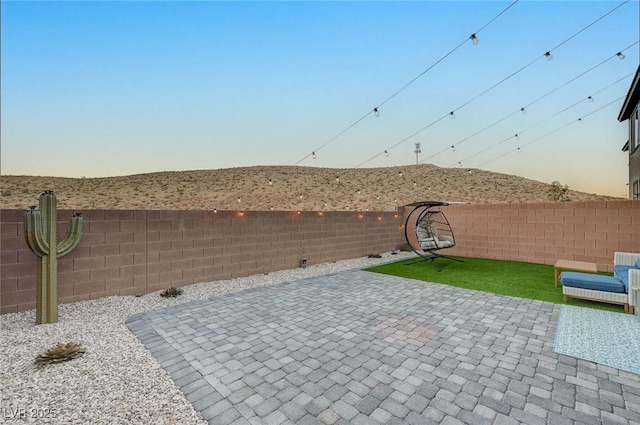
point(115, 88)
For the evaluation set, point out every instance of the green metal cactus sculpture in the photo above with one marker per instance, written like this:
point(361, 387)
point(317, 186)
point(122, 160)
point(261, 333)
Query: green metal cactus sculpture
point(40, 232)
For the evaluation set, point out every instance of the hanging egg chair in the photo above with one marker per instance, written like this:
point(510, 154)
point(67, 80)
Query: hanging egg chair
point(427, 231)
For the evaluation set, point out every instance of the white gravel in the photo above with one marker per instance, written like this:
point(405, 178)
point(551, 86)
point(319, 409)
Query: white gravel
point(117, 380)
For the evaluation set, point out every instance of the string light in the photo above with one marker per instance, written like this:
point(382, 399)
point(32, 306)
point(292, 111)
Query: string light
point(399, 173)
point(548, 55)
point(556, 130)
point(470, 171)
point(270, 182)
point(338, 179)
point(516, 136)
point(474, 38)
point(238, 199)
point(452, 115)
point(215, 211)
point(313, 154)
point(397, 92)
point(386, 153)
point(415, 184)
point(537, 100)
point(551, 116)
point(453, 148)
point(300, 196)
point(376, 112)
point(620, 55)
point(524, 111)
point(590, 99)
point(358, 192)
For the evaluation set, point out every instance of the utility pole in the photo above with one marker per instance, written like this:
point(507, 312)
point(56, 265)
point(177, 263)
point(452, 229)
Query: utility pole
point(417, 151)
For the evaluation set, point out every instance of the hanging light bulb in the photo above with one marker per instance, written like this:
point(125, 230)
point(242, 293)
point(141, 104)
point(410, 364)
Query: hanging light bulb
point(215, 211)
point(460, 164)
point(429, 188)
point(470, 171)
point(272, 208)
point(376, 112)
point(270, 182)
point(358, 192)
point(338, 179)
point(524, 111)
point(516, 136)
point(399, 173)
point(313, 154)
point(300, 196)
point(590, 99)
point(518, 150)
point(386, 153)
point(548, 55)
point(620, 55)
point(452, 115)
point(453, 148)
point(580, 120)
point(238, 199)
point(474, 38)
point(415, 184)
point(378, 197)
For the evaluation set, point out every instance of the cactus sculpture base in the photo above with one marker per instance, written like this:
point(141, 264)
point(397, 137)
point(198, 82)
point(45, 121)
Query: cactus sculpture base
point(40, 232)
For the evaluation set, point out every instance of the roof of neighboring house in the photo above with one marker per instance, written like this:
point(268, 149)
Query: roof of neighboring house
point(632, 99)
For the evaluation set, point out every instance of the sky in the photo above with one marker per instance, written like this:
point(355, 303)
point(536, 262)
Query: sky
point(97, 89)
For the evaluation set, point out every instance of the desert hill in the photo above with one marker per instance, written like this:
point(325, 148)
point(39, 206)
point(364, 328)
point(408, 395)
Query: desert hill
point(280, 188)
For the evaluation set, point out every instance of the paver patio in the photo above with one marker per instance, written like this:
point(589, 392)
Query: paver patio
point(364, 348)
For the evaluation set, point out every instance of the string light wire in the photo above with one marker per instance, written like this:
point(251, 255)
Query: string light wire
point(531, 104)
point(377, 108)
point(542, 121)
point(480, 152)
point(581, 119)
point(545, 55)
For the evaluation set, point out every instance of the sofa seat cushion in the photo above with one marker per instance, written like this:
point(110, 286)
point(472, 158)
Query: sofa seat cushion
point(434, 243)
point(596, 282)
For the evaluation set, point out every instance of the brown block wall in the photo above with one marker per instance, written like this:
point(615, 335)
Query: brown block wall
point(546, 232)
point(136, 252)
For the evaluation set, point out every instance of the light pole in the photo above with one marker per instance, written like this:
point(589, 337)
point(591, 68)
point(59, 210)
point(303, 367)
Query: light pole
point(417, 151)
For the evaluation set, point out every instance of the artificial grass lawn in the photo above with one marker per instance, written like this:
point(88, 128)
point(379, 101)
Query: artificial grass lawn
point(516, 279)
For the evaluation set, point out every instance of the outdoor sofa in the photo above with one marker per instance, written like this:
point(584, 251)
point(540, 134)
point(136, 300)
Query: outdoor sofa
point(621, 288)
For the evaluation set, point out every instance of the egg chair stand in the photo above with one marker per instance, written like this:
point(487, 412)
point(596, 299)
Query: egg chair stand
point(428, 231)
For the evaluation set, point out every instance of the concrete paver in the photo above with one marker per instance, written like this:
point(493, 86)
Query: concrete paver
point(364, 348)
